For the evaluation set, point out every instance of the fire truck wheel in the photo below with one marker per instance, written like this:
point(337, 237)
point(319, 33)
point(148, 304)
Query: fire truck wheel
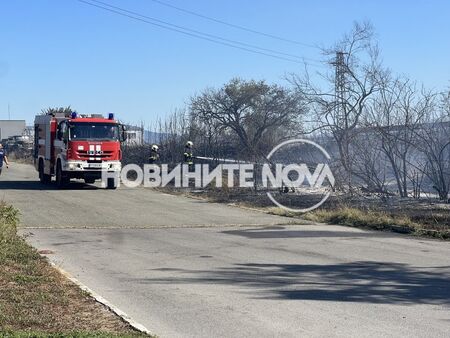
point(111, 184)
point(61, 180)
point(44, 178)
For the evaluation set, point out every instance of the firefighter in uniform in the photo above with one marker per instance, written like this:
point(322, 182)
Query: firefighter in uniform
point(154, 154)
point(188, 157)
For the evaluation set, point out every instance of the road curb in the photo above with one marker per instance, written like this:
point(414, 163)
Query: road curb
point(103, 301)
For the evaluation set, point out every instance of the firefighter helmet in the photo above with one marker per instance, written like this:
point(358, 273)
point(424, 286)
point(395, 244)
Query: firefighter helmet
point(155, 147)
point(189, 144)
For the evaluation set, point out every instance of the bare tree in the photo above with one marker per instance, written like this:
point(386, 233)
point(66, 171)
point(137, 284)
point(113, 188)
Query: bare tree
point(370, 165)
point(340, 114)
point(174, 131)
point(398, 110)
point(446, 104)
point(434, 142)
point(57, 110)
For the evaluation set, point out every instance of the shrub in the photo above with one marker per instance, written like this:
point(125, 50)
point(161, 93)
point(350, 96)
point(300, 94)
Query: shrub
point(8, 222)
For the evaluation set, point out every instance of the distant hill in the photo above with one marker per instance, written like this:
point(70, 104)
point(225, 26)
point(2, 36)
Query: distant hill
point(152, 137)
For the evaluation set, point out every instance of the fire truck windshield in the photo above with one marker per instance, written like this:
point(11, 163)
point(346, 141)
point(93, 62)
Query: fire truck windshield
point(94, 131)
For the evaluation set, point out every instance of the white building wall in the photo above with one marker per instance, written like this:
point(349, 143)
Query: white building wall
point(10, 128)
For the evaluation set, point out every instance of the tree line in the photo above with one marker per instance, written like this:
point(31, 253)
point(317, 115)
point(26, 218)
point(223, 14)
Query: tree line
point(389, 134)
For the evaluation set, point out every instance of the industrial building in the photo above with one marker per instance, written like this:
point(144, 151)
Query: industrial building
point(9, 128)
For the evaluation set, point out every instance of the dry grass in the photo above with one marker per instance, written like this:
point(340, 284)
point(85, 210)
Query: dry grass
point(360, 218)
point(36, 300)
point(422, 217)
point(369, 219)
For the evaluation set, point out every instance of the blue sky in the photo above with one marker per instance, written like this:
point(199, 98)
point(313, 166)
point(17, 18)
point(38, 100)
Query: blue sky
point(63, 52)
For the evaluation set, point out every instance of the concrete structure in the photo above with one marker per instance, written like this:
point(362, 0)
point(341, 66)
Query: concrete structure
point(10, 128)
point(135, 135)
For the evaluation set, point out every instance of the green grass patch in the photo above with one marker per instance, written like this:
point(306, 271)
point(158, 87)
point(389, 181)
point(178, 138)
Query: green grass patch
point(31, 334)
point(37, 301)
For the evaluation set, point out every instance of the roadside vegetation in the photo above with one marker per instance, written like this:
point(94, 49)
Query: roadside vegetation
point(37, 301)
point(435, 224)
point(387, 136)
point(31, 334)
point(425, 218)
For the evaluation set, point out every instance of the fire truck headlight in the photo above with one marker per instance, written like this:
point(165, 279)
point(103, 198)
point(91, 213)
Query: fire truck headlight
point(71, 166)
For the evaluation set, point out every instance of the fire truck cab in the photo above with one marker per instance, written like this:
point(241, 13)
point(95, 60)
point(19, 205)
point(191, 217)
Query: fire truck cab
point(78, 146)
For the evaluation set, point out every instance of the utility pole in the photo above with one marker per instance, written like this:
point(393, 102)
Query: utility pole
point(340, 70)
point(341, 118)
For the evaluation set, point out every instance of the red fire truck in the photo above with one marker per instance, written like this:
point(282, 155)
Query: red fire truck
point(78, 146)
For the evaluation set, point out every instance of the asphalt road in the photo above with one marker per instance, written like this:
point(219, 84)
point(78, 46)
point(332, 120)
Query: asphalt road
point(269, 280)
point(86, 205)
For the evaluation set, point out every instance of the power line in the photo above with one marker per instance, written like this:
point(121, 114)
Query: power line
point(192, 33)
point(202, 33)
point(233, 25)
